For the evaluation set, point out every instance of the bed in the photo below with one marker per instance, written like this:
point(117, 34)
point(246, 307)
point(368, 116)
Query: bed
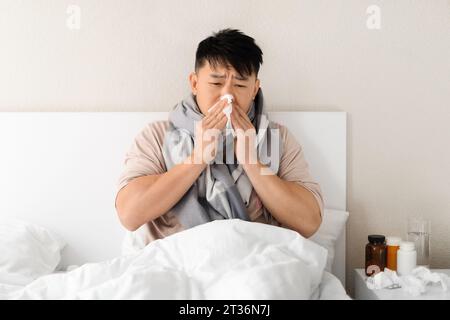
point(59, 172)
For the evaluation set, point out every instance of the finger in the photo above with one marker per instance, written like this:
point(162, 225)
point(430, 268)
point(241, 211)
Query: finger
point(221, 116)
point(237, 113)
point(248, 122)
point(214, 106)
point(221, 124)
point(236, 121)
point(214, 120)
point(208, 122)
point(243, 123)
point(210, 116)
point(215, 112)
point(217, 107)
point(241, 112)
point(244, 117)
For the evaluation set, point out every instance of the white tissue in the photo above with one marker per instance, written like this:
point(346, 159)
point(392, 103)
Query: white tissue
point(227, 111)
point(414, 283)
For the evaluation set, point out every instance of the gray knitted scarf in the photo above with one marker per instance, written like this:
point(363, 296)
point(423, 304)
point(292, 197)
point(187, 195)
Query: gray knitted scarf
point(223, 190)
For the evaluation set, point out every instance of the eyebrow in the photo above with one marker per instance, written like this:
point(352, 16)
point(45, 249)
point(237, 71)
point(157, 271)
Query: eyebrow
point(222, 76)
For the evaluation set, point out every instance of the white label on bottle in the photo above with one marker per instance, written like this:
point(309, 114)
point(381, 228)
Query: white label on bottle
point(373, 269)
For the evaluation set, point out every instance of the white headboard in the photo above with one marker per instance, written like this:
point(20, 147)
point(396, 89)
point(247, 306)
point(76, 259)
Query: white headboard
point(60, 170)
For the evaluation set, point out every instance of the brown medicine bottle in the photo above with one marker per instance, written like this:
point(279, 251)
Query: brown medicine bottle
point(375, 254)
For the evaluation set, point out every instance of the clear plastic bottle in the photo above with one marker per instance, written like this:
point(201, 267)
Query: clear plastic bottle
point(406, 258)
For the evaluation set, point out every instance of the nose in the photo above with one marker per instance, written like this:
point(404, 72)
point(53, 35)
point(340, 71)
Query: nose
point(228, 88)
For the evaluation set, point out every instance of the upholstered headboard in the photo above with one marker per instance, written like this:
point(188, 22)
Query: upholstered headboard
point(60, 169)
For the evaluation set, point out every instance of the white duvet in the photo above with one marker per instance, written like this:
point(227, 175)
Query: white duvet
point(229, 259)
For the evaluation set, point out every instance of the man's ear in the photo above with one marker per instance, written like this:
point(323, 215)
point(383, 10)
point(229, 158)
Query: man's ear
point(193, 80)
point(255, 92)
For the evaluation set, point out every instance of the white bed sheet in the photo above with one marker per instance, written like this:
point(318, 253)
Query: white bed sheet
point(229, 259)
point(330, 288)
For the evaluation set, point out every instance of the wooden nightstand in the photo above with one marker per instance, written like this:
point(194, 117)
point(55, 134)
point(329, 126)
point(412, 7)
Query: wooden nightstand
point(364, 293)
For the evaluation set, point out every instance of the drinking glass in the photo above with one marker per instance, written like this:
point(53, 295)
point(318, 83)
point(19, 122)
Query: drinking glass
point(419, 233)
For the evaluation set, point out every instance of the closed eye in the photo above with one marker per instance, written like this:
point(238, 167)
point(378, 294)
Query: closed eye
point(219, 84)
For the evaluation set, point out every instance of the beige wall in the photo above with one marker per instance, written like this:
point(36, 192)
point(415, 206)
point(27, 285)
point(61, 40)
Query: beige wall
point(319, 56)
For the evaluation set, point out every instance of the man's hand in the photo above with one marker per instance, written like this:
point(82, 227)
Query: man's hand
point(207, 134)
point(245, 144)
point(292, 205)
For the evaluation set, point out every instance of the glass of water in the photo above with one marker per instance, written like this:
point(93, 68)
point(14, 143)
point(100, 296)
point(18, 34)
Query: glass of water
point(419, 233)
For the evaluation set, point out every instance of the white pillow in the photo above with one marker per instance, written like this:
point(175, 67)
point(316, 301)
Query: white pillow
point(27, 251)
point(333, 224)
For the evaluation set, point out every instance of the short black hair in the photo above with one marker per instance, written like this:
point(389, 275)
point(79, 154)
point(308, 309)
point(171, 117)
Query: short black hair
point(230, 47)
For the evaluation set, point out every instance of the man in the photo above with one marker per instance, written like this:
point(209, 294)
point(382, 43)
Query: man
point(179, 173)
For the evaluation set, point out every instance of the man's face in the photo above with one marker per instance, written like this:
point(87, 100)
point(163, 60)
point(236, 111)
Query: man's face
point(209, 84)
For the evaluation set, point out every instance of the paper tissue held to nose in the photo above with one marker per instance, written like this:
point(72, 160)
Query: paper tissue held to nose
point(227, 111)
